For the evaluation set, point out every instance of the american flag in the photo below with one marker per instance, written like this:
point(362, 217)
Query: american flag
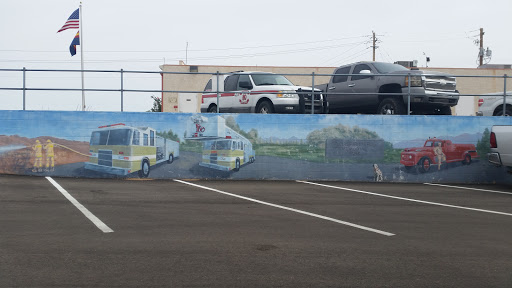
point(73, 21)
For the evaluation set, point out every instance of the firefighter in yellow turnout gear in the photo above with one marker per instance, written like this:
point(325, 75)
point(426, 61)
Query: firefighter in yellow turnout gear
point(38, 163)
point(50, 156)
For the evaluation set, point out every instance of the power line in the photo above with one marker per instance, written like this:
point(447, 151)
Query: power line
point(344, 52)
point(197, 50)
point(355, 55)
point(194, 58)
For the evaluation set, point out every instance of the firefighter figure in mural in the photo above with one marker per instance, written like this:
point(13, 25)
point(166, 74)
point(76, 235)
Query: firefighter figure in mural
point(440, 157)
point(38, 162)
point(50, 155)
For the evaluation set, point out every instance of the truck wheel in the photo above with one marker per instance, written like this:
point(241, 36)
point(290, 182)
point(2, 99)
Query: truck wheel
point(424, 164)
point(467, 160)
point(237, 165)
point(390, 106)
point(499, 111)
point(144, 171)
point(170, 159)
point(212, 109)
point(265, 107)
point(444, 110)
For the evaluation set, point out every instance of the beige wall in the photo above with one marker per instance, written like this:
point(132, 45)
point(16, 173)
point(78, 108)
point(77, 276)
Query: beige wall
point(197, 82)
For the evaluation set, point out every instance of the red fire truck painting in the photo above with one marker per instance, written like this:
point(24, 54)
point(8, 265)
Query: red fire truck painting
point(424, 157)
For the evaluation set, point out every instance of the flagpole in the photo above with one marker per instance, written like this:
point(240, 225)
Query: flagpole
point(82, 54)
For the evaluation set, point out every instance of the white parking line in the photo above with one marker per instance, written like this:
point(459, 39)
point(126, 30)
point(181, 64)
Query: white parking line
point(468, 188)
point(408, 199)
point(291, 209)
point(82, 209)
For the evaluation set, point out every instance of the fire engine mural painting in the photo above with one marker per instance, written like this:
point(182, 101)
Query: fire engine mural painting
point(119, 149)
point(223, 148)
point(418, 149)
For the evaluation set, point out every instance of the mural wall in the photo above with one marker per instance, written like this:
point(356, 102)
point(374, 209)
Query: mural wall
point(441, 149)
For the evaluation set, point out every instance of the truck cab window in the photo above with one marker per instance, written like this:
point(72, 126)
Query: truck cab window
point(341, 78)
point(243, 78)
point(358, 69)
point(120, 137)
point(231, 82)
point(208, 86)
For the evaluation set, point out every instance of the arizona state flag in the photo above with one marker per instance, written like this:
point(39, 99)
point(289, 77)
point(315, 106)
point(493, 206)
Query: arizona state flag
point(76, 41)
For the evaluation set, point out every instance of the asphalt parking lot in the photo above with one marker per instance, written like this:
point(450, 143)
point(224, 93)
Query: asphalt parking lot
point(68, 232)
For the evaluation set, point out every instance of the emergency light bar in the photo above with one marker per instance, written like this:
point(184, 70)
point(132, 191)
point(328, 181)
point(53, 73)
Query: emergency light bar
point(118, 124)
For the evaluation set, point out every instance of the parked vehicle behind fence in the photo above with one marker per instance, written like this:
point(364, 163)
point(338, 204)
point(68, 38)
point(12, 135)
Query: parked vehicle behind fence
point(382, 88)
point(492, 104)
point(259, 92)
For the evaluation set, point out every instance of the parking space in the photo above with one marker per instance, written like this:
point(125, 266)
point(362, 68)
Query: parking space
point(253, 234)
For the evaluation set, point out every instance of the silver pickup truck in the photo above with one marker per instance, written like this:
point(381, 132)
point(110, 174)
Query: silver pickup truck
point(501, 146)
point(383, 88)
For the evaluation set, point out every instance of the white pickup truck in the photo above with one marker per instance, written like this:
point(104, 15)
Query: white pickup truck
point(259, 92)
point(492, 104)
point(501, 146)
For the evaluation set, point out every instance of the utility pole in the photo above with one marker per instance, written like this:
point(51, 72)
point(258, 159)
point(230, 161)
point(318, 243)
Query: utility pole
point(374, 47)
point(481, 54)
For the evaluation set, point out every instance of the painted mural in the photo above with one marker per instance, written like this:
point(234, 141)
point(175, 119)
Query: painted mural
point(440, 149)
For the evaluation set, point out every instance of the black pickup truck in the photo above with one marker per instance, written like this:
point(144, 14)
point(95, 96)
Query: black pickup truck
point(383, 88)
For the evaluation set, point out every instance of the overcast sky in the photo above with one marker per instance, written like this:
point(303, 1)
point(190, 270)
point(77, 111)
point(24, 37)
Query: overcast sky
point(141, 35)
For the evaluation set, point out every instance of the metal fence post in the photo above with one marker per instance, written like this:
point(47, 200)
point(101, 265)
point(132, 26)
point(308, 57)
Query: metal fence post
point(24, 86)
point(218, 95)
point(122, 87)
point(504, 94)
point(409, 94)
point(313, 93)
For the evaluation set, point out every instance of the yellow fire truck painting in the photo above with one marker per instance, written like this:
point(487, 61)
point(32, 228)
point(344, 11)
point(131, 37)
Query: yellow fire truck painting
point(119, 149)
point(223, 148)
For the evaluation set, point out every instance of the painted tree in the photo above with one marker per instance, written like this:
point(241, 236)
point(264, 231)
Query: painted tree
point(483, 146)
point(318, 137)
point(169, 135)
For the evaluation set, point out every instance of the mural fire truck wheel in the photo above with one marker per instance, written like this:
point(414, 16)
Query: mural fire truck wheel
point(237, 165)
point(144, 172)
point(425, 164)
point(467, 160)
point(212, 109)
point(171, 159)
